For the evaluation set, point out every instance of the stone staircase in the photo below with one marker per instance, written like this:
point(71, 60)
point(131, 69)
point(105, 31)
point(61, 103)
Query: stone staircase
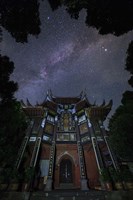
point(69, 195)
point(66, 186)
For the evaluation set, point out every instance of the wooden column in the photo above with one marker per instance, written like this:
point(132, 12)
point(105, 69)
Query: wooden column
point(95, 147)
point(83, 177)
point(51, 164)
point(23, 145)
point(112, 156)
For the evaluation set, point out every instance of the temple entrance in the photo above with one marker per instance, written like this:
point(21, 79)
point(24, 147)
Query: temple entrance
point(66, 171)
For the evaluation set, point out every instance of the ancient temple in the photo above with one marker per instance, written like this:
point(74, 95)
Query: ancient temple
point(66, 143)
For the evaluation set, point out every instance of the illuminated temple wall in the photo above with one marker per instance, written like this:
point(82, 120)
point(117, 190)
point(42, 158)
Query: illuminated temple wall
point(65, 142)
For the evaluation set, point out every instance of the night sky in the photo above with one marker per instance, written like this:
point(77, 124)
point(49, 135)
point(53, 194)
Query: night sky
point(68, 57)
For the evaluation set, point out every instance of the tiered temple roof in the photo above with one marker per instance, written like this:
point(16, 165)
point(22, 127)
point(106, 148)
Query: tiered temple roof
point(80, 102)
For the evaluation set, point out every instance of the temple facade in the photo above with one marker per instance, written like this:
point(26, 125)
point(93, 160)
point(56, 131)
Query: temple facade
point(66, 143)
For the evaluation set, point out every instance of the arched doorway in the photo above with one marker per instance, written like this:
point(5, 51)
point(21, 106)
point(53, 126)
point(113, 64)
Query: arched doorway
point(66, 175)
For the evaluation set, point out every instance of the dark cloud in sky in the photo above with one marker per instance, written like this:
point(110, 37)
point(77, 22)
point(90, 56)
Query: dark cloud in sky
point(68, 57)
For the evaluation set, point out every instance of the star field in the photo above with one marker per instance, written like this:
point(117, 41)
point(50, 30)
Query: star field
point(68, 57)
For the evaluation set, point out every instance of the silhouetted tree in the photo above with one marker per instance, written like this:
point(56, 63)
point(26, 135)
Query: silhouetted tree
point(121, 123)
point(12, 119)
point(20, 18)
point(55, 4)
point(129, 62)
point(108, 16)
point(127, 97)
point(7, 87)
point(121, 127)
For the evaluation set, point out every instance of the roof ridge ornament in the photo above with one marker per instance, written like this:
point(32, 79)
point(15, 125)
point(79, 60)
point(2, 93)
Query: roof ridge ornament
point(94, 104)
point(37, 104)
point(110, 104)
point(22, 103)
point(48, 96)
point(50, 93)
point(103, 104)
point(85, 97)
point(28, 103)
point(81, 95)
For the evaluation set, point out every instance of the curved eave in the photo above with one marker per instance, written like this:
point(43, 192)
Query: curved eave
point(34, 111)
point(99, 112)
point(84, 103)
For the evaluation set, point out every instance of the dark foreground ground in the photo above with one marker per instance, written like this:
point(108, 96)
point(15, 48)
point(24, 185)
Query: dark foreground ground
point(68, 195)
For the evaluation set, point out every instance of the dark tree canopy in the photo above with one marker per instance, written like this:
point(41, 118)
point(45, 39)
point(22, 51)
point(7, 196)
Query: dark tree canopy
point(127, 97)
point(108, 16)
point(12, 119)
point(121, 128)
point(20, 18)
point(121, 123)
point(129, 62)
point(7, 87)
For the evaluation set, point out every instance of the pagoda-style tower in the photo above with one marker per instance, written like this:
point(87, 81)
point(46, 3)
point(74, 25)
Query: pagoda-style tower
point(66, 143)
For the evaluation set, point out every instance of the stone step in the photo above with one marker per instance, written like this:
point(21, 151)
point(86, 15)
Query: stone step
point(66, 186)
point(69, 195)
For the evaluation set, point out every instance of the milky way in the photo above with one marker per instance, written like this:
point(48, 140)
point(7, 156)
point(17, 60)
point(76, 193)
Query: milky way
point(69, 57)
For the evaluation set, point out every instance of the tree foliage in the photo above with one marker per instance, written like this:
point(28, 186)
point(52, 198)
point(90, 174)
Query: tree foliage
point(129, 62)
point(20, 18)
point(121, 129)
point(12, 119)
point(7, 87)
point(121, 123)
point(108, 16)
